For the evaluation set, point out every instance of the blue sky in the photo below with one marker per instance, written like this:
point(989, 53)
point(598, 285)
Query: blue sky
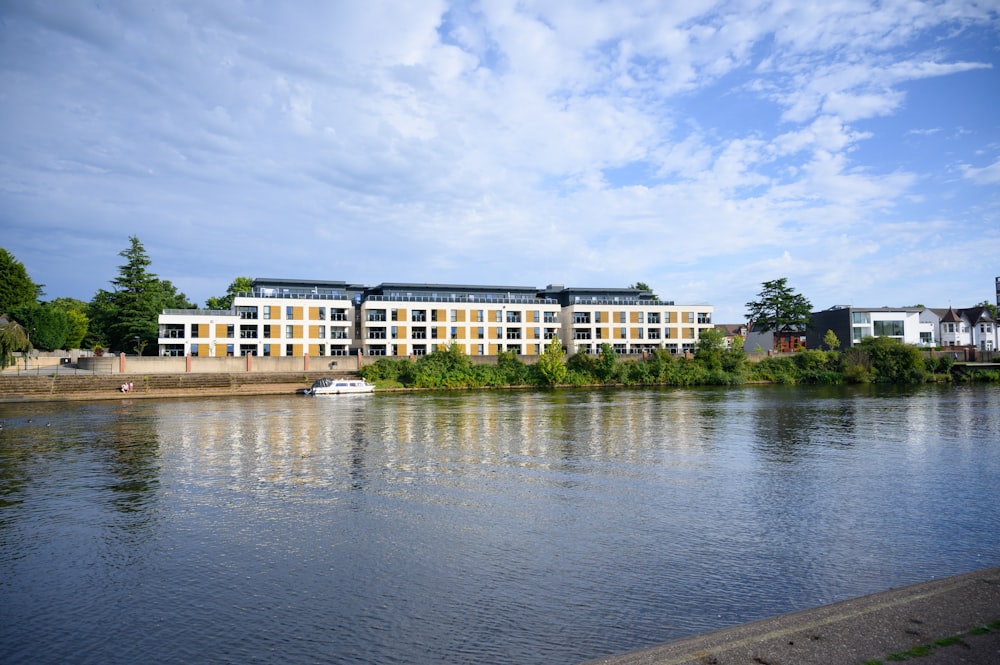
point(852, 147)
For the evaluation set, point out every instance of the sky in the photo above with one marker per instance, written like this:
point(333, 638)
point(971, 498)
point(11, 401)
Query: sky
point(700, 147)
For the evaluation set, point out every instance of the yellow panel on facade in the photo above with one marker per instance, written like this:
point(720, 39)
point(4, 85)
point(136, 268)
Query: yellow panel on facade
point(494, 349)
point(220, 329)
point(297, 313)
point(634, 333)
point(313, 315)
point(401, 314)
point(442, 332)
point(491, 333)
point(275, 311)
point(314, 349)
point(313, 332)
point(633, 317)
point(297, 332)
point(442, 315)
point(689, 333)
point(460, 315)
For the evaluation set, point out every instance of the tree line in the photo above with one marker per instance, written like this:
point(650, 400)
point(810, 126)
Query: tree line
point(122, 318)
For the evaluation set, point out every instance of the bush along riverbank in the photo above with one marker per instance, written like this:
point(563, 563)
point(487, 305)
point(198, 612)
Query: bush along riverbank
point(874, 360)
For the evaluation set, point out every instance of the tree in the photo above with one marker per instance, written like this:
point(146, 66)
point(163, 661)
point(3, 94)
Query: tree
point(131, 310)
point(45, 325)
point(711, 343)
point(780, 309)
point(642, 286)
point(16, 287)
point(79, 322)
point(831, 340)
point(551, 365)
point(13, 339)
point(238, 286)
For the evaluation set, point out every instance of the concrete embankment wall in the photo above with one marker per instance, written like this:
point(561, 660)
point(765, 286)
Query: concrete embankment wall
point(23, 388)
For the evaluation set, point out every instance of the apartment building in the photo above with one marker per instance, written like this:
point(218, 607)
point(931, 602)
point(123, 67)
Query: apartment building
point(298, 317)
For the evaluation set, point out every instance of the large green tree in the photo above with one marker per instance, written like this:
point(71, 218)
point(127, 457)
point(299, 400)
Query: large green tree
point(239, 285)
point(131, 310)
point(16, 287)
point(79, 322)
point(779, 308)
point(47, 326)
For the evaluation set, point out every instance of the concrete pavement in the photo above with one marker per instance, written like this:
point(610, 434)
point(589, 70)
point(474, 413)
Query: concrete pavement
point(933, 623)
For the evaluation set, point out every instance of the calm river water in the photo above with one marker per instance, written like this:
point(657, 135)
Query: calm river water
point(484, 527)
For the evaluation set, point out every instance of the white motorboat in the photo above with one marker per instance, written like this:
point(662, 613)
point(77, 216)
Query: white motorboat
point(328, 386)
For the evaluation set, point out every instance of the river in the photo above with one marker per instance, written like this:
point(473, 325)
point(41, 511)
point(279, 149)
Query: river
point(475, 527)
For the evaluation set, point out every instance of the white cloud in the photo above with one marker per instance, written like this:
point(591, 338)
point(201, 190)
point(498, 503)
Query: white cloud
point(499, 141)
point(988, 175)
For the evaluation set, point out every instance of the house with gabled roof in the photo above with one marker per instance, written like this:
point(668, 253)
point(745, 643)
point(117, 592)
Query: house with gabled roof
point(967, 327)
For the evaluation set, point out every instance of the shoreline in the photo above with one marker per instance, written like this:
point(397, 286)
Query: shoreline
point(941, 622)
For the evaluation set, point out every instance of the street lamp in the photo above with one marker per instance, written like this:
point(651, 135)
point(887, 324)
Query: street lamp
point(137, 350)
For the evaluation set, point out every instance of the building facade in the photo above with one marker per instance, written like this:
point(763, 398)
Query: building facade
point(853, 324)
point(298, 317)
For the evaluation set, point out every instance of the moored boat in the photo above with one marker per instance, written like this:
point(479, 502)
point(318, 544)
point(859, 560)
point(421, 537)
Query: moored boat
point(327, 386)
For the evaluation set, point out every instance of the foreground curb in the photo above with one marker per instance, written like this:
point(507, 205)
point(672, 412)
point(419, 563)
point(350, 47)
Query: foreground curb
point(900, 624)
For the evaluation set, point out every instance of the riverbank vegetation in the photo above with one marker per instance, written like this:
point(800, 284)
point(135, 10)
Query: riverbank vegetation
point(875, 360)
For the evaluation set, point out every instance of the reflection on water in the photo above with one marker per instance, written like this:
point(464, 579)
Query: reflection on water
point(475, 527)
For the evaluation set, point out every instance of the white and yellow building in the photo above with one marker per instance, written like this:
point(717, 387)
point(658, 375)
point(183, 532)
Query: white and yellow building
point(318, 319)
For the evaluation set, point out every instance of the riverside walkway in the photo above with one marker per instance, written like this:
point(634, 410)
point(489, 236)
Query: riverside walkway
point(951, 621)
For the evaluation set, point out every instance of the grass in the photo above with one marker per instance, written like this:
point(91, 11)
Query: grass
point(927, 649)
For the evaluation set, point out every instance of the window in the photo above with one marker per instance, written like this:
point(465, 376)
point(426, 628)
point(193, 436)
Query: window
point(434, 315)
point(704, 317)
point(690, 317)
point(454, 332)
point(267, 332)
point(534, 316)
point(499, 316)
point(376, 315)
point(420, 333)
point(653, 318)
point(321, 334)
point(599, 332)
point(480, 333)
point(640, 317)
point(550, 317)
point(321, 312)
point(454, 315)
point(394, 331)
point(479, 316)
point(395, 314)
point(434, 332)
point(597, 318)
point(621, 317)
point(248, 332)
point(499, 332)
point(513, 333)
point(654, 333)
point(376, 333)
point(267, 315)
point(267, 347)
point(289, 312)
point(581, 317)
point(888, 328)
point(289, 332)
point(419, 315)
point(513, 317)
point(230, 331)
point(247, 312)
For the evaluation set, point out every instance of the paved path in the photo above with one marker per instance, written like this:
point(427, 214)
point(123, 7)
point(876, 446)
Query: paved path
point(865, 630)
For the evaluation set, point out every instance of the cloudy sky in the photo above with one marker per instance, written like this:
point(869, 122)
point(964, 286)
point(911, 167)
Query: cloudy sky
point(701, 147)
